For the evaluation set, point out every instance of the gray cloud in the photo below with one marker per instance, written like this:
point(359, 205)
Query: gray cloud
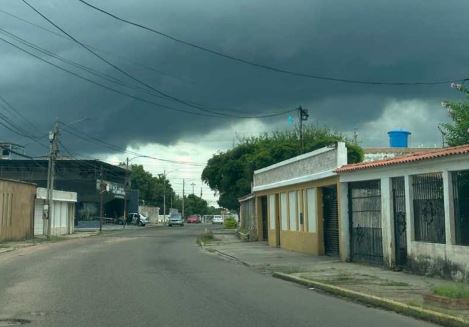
point(366, 40)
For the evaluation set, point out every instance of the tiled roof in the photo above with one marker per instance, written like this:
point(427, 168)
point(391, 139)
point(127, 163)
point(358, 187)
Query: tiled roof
point(417, 156)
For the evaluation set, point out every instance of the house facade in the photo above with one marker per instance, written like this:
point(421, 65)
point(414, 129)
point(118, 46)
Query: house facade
point(62, 214)
point(296, 202)
point(411, 211)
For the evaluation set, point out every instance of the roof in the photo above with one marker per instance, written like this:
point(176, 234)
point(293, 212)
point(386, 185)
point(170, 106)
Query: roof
point(397, 150)
point(414, 157)
point(246, 197)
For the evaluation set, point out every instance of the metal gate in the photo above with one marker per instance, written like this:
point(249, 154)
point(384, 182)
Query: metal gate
point(331, 221)
point(461, 206)
point(365, 222)
point(400, 236)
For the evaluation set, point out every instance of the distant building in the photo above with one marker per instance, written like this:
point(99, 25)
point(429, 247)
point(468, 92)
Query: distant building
point(80, 176)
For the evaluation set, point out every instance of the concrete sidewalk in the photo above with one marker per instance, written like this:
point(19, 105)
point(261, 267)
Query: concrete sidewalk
point(11, 246)
point(373, 285)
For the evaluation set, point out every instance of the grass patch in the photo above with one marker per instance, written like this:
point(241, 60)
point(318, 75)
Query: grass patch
point(452, 291)
point(205, 238)
point(230, 223)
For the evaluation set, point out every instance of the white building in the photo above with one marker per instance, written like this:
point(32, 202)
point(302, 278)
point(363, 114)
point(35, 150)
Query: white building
point(411, 211)
point(63, 212)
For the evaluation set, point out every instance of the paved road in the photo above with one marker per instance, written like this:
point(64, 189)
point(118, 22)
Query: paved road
point(159, 277)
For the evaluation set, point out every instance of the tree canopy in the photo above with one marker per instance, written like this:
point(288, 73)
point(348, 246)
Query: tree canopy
point(457, 131)
point(230, 173)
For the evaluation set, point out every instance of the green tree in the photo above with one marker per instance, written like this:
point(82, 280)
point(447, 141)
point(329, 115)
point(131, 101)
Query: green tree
point(457, 132)
point(230, 173)
point(151, 188)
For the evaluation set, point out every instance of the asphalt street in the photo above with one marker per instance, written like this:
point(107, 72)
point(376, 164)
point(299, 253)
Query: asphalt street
point(160, 277)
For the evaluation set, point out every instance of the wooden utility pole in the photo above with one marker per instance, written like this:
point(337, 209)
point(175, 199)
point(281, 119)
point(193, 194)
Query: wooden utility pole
point(126, 182)
point(303, 116)
point(193, 185)
point(183, 198)
point(54, 150)
point(102, 188)
point(164, 195)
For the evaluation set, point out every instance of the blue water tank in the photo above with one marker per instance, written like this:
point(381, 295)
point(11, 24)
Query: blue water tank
point(399, 138)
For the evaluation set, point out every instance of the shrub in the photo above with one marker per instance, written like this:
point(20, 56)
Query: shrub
point(230, 223)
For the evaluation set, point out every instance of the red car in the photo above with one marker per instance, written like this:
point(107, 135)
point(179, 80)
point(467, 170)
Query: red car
point(194, 219)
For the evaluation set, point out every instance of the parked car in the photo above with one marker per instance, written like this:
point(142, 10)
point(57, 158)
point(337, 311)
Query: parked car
point(193, 219)
point(175, 219)
point(136, 218)
point(217, 219)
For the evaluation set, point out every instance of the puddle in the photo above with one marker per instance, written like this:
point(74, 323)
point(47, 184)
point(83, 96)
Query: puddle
point(13, 322)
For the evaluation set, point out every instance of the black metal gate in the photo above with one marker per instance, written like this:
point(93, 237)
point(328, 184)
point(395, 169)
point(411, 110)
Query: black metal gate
point(429, 211)
point(365, 222)
point(265, 227)
point(331, 221)
point(461, 206)
point(400, 236)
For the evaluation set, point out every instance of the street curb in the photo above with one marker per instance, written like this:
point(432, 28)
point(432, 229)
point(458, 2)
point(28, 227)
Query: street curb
point(405, 309)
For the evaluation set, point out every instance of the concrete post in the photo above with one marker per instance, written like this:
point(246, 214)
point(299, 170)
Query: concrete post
point(344, 222)
point(387, 222)
point(448, 197)
point(409, 208)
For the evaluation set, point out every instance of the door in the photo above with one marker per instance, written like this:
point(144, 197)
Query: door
point(399, 212)
point(38, 217)
point(265, 227)
point(365, 222)
point(331, 221)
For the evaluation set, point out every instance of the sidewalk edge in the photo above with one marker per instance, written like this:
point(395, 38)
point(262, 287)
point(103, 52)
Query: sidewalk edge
point(408, 310)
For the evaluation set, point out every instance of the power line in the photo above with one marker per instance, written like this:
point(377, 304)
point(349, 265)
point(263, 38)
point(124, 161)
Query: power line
point(159, 105)
point(114, 147)
point(93, 47)
point(163, 93)
point(264, 66)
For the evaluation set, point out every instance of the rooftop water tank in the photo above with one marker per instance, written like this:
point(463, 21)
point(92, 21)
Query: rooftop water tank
point(398, 138)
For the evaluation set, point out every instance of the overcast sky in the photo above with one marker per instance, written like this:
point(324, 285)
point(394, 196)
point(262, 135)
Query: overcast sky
point(363, 40)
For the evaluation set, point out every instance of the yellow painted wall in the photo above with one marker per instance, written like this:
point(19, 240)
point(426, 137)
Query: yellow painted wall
point(299, 240)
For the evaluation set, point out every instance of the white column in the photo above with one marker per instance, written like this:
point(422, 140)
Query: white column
point(448, 197)
point(387, 223)
point(409, 215)
point(344, 222)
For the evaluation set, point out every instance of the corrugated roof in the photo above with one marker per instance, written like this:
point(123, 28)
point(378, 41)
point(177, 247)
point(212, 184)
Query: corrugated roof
point(417, 156)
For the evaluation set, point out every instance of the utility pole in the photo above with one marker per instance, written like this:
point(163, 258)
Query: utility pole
point(193, 184)
point(183, 198)
point(126, 182)
point(303, 116)
point(102, 188)
point(164, 195)
point(54, 150)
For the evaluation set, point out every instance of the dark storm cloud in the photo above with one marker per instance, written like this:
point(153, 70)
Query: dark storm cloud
point(365, 40)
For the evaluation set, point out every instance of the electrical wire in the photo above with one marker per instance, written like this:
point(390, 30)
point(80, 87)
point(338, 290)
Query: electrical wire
point(93, 47)
point(159, 105)
point(87, 137)
point(264, 66)
point(163, 93)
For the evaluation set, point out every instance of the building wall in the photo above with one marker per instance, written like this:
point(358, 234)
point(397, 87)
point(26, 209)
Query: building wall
point(62, 214)
point(446, 260)
point(16, 210)
point(307, 237)
point(151, 212)
point(248, 218)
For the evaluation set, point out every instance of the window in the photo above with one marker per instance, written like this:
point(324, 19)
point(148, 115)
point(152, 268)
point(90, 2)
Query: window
point(311, 198)
point(461, 206)
point(284, 211)
point(429, 213)
point(293, 209)
point(272, 211)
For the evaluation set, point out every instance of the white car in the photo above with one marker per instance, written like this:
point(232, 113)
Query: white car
point(217, 219)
